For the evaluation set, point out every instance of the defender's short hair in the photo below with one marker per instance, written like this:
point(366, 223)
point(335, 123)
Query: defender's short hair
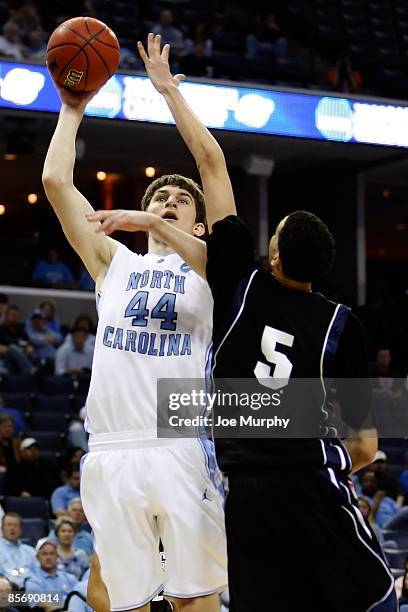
point(306, 247)
point(178, 181)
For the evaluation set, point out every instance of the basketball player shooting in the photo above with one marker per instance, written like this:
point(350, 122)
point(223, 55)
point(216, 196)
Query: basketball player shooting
point(289, 503)
point(154, 320)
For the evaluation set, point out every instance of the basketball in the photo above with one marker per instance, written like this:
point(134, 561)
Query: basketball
point(82, 54)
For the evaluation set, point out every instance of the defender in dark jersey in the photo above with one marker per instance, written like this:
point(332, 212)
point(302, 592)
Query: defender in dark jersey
point(296, 539)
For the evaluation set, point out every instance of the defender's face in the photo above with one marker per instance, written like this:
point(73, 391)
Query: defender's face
point(177, 206)
point(273, 244)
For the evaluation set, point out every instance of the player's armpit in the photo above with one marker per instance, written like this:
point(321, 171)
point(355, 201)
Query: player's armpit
point(361, 446)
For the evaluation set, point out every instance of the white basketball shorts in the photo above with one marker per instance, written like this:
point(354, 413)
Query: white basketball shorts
point(136, 492)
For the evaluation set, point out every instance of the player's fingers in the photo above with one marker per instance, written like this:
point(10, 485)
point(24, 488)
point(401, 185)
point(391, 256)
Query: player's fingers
point(142, 52)
point(166, 52)
point(95, 216)
point(150, 44)
point(157, 44)
point(180, 77)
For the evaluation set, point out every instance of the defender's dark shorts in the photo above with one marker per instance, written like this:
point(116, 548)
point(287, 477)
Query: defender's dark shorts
point(297, 541)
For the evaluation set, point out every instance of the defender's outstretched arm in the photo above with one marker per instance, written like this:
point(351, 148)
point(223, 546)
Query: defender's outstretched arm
point(210, 160)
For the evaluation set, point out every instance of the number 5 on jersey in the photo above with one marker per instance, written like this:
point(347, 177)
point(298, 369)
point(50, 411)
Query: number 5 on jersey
point(283, 367)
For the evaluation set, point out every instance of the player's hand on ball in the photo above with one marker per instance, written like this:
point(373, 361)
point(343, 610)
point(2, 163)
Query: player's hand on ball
point(75, 99)
point(156, 62)
point(126, 220)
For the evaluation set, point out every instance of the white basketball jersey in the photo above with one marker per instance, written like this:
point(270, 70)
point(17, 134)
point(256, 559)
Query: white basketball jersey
point(155, 321)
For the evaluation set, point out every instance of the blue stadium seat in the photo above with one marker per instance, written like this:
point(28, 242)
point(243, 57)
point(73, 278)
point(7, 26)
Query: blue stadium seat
point(24, 383)
point(48, 440)
point(19, 401)
point(398, 535)
point(49, 421)
point(59, 385)
point(34, 529)
point(26, 507)
point(396, 558)
point(404, 608)
point(55, 403)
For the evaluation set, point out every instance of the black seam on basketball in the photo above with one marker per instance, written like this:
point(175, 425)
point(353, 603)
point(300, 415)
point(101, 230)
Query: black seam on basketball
point(87, 26)
point(65, 45)
point(88, 42)
point(69, 61)
point(107, 44)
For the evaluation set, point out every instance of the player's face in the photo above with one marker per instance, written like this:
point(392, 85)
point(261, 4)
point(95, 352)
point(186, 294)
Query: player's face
point(176, 206)
point(273, 245)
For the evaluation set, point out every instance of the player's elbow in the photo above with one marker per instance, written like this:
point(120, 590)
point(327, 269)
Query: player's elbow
point(53, 183)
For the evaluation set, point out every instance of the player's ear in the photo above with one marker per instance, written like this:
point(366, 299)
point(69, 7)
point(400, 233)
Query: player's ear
point(199, 229)
point(276, 261)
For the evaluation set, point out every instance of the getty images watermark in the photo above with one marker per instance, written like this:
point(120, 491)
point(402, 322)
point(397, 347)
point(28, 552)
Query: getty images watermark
point(282, 408)
point(204, 402)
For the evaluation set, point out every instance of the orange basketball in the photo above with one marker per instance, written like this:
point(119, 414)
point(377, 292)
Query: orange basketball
point(82, 54)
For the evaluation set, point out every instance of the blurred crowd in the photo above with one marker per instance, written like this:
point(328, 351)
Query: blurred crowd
point(227, 40)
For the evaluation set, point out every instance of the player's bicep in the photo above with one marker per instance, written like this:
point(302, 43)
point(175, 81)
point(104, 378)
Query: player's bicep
point(95, 249)
point(218, 193)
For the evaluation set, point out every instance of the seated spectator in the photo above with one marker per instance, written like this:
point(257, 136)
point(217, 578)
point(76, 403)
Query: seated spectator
point(365, 509)
point(26, 17)
point(11, 47)
point(52, 324)
point(51, 272)
point(343, 77)
point(83, 539)
point(267, 40)
point(9, 445)
point(85, 280)
point(6, 587)
point(15, 347)
point(386, 377)
point(17, 560)
point(85, 322)
point(77, 436)
point(3, 306)
point(199, 35)
point(18, 418)
point(36, 47)
point(34, 475)
point(44, 342)
point(382, 506)
point(47, 578)
point(196, 62)
point(76, 604)
point(70, 559)
point(386, 481)
point(63, 495)
point(170, 35)
point(75, 359)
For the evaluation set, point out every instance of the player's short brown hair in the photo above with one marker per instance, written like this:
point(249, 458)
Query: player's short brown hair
point(179, 181)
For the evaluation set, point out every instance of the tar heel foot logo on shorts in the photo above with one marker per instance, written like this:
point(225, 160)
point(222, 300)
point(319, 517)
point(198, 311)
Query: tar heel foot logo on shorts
point(73, 78)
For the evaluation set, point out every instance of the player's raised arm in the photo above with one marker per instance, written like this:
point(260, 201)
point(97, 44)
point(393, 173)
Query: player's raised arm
point(210, 160)
point(191, 249)
point(95, 249)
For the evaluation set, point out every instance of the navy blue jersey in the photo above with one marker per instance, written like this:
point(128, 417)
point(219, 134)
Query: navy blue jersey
point(264, 330)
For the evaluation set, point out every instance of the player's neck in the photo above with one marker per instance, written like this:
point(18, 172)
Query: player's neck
point(158, 248)
point(289, 283)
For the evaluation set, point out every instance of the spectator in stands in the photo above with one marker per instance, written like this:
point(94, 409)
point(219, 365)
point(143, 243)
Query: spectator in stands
point(36, 47)
point(386, 481)
point(76, 604)
point(267, 39)
point(6, 587)
point(9, 445)
point(63, 495)
point(51, 272)
point(386, 376)
point(52, 323)
point(17, 560)
point(85, 280)
point(83, 539)
point(44, 342)
point(83, 321)
point(18, 418)
point(383, 508)
point(34, 475)
point(170, 34)
point(343, 77)
point(15, 347)
point(366, 510)
point(26, 17)
point(198, 51)
point(3, 306)
point(47, 577)
point(75, 359)
point(11, 47)
point(70, 559)
point(77, 436)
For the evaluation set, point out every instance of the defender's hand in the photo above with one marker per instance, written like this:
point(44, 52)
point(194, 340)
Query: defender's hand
point(125, 220)
point(156, 62)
